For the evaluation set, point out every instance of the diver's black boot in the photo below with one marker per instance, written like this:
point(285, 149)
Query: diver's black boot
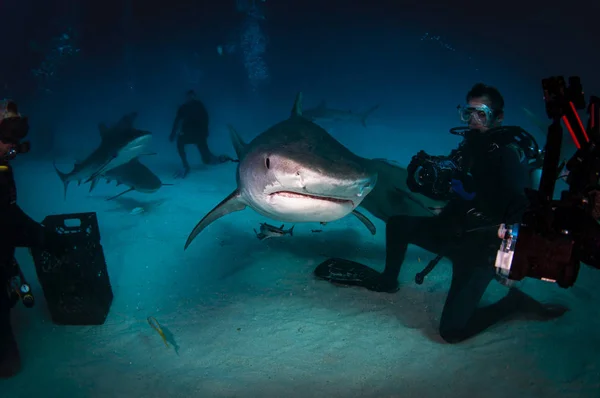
point(10, 359)
point(345, 272)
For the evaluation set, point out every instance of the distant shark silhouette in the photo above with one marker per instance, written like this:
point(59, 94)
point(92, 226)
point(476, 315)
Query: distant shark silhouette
point(324, 114)
point(120, 144)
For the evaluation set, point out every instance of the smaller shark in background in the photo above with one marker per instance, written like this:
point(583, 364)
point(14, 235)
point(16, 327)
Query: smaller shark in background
point(120, 144)
point(270, 231)
point(134, 175)
point(324, 114)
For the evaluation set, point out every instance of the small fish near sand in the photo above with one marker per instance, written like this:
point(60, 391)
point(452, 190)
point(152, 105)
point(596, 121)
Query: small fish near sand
point(164, 333)
point(270, 231)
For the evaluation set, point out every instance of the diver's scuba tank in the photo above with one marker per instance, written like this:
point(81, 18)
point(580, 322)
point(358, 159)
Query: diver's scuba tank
point(535, 176)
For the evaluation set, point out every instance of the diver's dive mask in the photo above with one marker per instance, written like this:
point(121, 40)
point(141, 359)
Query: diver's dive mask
point(481, 114)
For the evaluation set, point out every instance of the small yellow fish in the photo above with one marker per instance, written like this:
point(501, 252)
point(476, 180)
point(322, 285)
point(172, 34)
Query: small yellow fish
point(156, 326)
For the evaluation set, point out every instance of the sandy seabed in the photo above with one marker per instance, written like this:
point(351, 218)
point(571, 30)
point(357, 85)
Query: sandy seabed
point(250, 320)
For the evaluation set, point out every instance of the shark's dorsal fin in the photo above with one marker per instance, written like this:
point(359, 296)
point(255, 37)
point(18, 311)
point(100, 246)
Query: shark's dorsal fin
point(238, 143)
point(103, 129)
point(126, 121)
point(297, 109)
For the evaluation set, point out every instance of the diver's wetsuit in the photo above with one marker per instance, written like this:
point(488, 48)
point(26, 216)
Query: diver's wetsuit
point(193, 117)
point(466, 233)
point(18, 230)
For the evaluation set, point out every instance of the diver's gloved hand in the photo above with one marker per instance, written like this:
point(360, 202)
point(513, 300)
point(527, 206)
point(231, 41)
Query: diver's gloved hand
point(56, 244)
point(459, 189)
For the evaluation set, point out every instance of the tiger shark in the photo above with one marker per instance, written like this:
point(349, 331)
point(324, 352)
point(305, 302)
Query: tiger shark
point(120, 144)
point(295, 172)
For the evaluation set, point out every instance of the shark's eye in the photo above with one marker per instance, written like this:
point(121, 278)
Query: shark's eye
point(268, 163)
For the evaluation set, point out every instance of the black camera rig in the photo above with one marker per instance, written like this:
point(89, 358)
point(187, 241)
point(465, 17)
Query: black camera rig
point(555, 236)
point(432, 175)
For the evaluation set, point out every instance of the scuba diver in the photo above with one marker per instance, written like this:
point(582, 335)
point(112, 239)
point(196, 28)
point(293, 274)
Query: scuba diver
point(193, 117)
point(18, 230)
point(482, 184)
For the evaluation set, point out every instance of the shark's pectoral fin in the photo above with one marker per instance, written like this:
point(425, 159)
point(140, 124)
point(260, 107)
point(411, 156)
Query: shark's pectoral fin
point(230, 204)
point(94, 184)
point(100, 171)
point(363, 219)
point(122, 193)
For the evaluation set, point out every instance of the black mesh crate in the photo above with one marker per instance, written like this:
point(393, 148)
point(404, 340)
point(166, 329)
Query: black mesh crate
point(77, 288)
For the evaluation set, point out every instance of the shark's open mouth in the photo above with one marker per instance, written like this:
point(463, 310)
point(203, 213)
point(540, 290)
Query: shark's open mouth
point(289, 194)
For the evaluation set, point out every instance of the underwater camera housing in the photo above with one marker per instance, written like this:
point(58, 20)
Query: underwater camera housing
point(432, 175)
point(555, 236)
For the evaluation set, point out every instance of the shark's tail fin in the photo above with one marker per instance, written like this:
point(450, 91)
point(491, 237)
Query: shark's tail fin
point(64, 178)
point(292, 230)
point(366, 114)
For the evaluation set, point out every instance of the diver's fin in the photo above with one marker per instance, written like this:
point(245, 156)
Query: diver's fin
point(230, 204)
point(122, 193)
point(363, 219)
point(346, 272)
point(297, 109)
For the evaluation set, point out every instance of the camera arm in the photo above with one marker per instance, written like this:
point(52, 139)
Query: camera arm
point(562, 102)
